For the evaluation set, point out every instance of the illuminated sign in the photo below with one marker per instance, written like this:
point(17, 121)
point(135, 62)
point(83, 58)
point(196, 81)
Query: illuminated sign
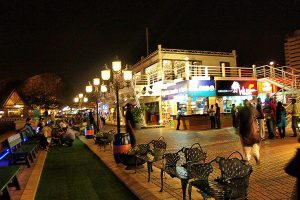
point(264, 87)
point(201, 88)
point(175, 89)
point(236, 88)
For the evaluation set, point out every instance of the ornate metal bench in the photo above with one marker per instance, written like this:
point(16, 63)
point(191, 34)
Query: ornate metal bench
point(106, 138)
point(151, 153)
point(192, 155)
point(232, 183)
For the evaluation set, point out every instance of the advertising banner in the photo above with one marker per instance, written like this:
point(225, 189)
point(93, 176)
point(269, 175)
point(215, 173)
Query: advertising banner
point(236, 88)
point(201, 88)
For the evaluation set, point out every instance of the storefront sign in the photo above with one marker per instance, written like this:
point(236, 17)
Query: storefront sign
point(201, 88)
point(175, 89)
point(264, 87)
point(236, 88)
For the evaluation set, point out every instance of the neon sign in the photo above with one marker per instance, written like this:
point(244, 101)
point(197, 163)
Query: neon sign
point(241, 90)
point(236, 88)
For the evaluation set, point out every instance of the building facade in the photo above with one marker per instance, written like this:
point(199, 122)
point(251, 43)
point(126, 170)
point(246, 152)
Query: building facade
point(292, 50)
point(172, 79)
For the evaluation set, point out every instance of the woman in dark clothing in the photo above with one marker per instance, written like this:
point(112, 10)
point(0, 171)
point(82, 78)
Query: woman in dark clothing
point(130, 124)
point(218, 116)
point(250, 137)
point(280, 119)
point(41, 136)
point(92, 121)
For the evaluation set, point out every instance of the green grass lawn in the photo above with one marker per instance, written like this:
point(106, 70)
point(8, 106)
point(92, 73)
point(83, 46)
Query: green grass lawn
point(76, 173)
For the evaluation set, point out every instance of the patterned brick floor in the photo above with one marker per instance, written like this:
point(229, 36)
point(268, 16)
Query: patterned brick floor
point(268, 180)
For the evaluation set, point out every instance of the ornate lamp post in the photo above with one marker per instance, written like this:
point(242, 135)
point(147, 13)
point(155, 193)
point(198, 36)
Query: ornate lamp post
point(97, 93)
point(120, 78)
point(79, 99)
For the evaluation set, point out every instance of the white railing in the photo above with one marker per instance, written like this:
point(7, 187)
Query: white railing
point(282, 75)
point(194, 71)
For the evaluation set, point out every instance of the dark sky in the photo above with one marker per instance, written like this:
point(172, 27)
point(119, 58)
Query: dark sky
point(75, 38)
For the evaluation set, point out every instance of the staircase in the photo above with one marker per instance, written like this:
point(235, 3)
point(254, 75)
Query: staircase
point(285, 78)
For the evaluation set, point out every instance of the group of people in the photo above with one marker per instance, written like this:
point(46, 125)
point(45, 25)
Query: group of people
point(43, 132)
point(251, 123)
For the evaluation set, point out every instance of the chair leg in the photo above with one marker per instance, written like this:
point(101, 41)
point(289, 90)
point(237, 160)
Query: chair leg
point(190, 191)
point(16, 183)
point(184, 183)
point(149, 166)
point(135, 164)
point(161, 179)
point(27, 161)
point(5, 194)
point(30, 157)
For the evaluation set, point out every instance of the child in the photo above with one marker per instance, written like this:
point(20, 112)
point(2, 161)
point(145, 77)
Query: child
point(47, 133)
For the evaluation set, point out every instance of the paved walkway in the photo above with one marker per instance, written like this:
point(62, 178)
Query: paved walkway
point(268, 180)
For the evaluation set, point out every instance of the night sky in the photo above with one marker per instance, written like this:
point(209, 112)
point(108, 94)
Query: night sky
point(74, 39)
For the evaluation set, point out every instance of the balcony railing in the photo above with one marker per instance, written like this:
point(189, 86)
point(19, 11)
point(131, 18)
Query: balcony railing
point(194, 71)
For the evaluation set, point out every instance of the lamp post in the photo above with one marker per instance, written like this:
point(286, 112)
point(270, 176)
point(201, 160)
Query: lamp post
point(120, 78)
point(97, 94)
point(79, 99)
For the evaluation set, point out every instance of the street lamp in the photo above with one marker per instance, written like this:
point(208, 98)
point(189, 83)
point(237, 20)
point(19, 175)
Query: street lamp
point(79, 99)
point(120, 78)
point(97, 94)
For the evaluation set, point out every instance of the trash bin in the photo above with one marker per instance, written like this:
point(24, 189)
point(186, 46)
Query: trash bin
point(89, 131)
point(121, 144)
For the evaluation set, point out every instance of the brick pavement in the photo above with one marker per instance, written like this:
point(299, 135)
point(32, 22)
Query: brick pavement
point(268, 180)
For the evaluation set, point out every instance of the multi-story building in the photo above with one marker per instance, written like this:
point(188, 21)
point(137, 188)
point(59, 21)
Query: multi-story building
point(172, 79)
point(292, 50)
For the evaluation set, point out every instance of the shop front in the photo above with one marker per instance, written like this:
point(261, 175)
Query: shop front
point(193, 98)
point(234, 92)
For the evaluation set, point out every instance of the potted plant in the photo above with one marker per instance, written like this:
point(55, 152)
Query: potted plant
point(138, 115)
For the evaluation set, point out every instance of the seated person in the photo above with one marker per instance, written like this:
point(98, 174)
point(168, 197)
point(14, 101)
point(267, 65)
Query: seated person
point(56, 134)
point(68, 137)
point(47, 133)
point(28, 128)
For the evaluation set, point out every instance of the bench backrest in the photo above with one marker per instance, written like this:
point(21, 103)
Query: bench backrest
point(14, 140)
point(171, 159)
point(25, 135)
point(194, 154)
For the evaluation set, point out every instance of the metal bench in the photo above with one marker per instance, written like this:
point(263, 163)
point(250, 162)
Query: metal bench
point(231, 184)
point(151, 153)
point(8, 177)
point(20, 154)
point(104, 139)
point(29, 140)
point(174, 168)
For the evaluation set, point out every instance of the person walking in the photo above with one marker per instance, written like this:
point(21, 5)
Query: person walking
point(269, 120)
point(281, 119)
point(250, 139)
point(130, 124)
point(260, 119)
point(218, 116)
point(273, 106)
point(179, 113)
point(234, 116)
point(295, 116)
point(211, 113)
